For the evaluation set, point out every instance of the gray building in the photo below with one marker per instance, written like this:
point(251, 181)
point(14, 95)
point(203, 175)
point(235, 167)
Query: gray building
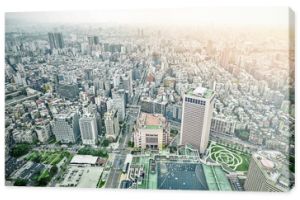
point(118, 97)
point(56, 40)
point(66, 127)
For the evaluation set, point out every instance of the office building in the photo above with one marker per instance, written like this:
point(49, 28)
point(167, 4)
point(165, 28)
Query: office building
point(88, 129)
point(111, 122)
point(66, 127)
point(118, 97)
point(56, 40)
point(197, 110)
point(268, 171)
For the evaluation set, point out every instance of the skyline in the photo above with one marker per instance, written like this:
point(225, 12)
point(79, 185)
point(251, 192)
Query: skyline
point(142, 106)
point(236, 16)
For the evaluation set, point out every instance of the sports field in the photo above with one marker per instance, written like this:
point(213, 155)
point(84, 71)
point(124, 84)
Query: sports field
point(234, 159)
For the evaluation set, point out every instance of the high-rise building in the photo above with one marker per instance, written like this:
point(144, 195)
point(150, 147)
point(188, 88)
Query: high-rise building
point(268, 171)
point(127, 83)
point(56, 40)
point(93, 40)
point(197, 110)
point(111, 122)
point(118, 97)
point(151, 131)
point(66, 127)
point(88, 129)
point(89, 74)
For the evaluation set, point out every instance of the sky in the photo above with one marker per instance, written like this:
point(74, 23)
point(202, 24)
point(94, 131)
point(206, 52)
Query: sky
point(270, 16)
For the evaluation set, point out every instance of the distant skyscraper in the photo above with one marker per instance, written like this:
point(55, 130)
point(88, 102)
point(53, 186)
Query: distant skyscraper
point(268, 171)
point(127, 83)
point(88, 129)
point(197, 113)
point(119, 102)
point(89, 74)
point(66, 127)
point(93, 40)
point(56, 40)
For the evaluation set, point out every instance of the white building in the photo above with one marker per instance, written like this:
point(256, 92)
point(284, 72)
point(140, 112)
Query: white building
point(66, 127)
point(151, 131)
point(88, 129)
point(197, 113)
point(223, 125)
point(111, 122)
point(43, 133)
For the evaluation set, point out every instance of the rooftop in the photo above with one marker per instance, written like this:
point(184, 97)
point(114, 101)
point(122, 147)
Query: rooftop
point(84, 159)
point(274, 166)
point(151, 121)
point(201, 92)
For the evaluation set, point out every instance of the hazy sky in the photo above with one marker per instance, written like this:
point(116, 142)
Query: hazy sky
point(273, 16)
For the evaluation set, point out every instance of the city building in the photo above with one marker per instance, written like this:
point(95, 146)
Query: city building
point(197, 113)
point(151, 131)
point(56, 40)
point(118, 97)
point(223, 125)
point(68, 91)
point(268, 171)
point(21, 136)
point(111, 122)
point(88, 129)
point(66, 127)
point(43, 132)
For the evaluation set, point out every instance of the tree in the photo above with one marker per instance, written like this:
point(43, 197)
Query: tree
point(20, 149)
point(20, 182)
point(130, 144)
point(53, 170)
point(105, 142)
point(44, 178)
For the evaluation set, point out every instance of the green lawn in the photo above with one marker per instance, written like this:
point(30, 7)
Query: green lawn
point(234, 159)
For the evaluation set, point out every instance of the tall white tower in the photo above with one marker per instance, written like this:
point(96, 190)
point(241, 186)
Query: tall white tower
point(197, 110)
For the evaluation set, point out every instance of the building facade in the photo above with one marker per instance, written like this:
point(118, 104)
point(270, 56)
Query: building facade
point(197, 113)
point(151, 131)
point(268, 171)
point(66, 127)
point(88, 129)
point(111, 122)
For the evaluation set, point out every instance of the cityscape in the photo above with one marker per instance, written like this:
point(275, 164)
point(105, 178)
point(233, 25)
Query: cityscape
point(160, 99)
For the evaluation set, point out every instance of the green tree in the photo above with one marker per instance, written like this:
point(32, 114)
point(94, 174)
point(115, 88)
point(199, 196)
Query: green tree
point(53, 170)
point(105, 142)
point(20, 149)
point(130, 144)
point(20, 182)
